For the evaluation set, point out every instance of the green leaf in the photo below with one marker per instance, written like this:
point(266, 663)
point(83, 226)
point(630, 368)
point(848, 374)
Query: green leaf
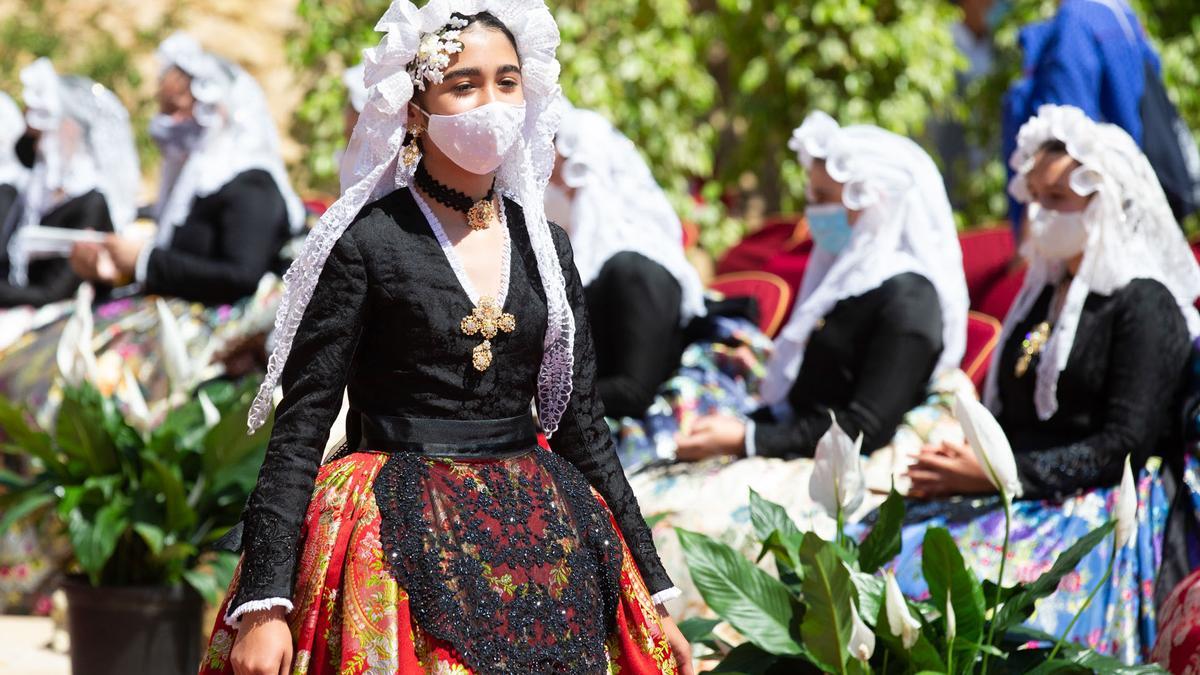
point(1088, 661)
point(747, 659)
point(94, 536)
point(870, 593)
point(697, 629)
point(883, 541)
point(656, 518)
point(828, 592)
point(180, 516)
point(27, 439)
point(80, 430)
point(768, 517)
point(21, 506)
point(152, 535)
point(945, 572)
point(212, 578)
point(227, 443)
point(756, 604)
point(1021, 605)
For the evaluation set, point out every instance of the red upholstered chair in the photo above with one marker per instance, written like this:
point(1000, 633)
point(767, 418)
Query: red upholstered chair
point(983, 337)
point(316, 207)
point(772, 294)
point(987, 256)
point(777, 235)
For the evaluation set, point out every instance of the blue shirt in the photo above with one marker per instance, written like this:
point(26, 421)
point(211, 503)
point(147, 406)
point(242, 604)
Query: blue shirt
point(1091, 55)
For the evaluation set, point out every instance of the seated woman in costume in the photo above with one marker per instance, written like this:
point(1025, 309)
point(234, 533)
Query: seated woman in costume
point(1090, 371)
point(85, 177)
point(225, 207)
point(643, 294)
point(875, 339)
point(223, 212)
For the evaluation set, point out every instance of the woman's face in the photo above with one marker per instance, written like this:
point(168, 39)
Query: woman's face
point(1049, 183)
point(823, 189)
point(485, 71)
point(175, 94)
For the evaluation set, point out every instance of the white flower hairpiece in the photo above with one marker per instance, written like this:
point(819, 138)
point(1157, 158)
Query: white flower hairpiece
point(433, 53)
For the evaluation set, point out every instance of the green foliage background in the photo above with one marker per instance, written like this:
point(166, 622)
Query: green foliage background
point(708, 89)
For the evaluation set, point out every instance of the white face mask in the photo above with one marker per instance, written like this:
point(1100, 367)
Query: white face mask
point(477, 140)
point(558, 206)
point(1057, 235)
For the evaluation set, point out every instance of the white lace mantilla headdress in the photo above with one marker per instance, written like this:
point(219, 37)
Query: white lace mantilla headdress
point(12, 127)
point(86, 144)
point(356, 89)
point(1131, 234)
point(618, 206)
point(238, 136)
point(370, 171)
point(906, 225)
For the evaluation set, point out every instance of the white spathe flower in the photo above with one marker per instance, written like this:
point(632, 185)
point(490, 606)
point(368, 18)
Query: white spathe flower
point(130, 393)
point(862, 638)
point(175, 356)
point(901, 621)
point(211, 415)
point(991, 446)
point(75, 357)
point(951, 623)
point(837, 479)
point(1126, 508)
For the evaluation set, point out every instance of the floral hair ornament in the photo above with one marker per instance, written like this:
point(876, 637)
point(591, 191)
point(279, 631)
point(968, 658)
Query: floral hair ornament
point(433, 53)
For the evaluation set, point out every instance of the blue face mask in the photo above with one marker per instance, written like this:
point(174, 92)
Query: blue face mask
point(829, 225)
point(996, 13)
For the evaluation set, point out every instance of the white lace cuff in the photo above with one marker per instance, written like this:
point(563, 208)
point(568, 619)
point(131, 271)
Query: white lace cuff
point(663, 596)
point(143, 261)
point(233, 619)
point(750, 447)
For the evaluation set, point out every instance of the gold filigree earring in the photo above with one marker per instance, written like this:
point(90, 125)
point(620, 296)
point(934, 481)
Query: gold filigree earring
point(412, 152)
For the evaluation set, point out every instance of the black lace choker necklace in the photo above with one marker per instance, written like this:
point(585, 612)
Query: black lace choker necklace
point(480, 214)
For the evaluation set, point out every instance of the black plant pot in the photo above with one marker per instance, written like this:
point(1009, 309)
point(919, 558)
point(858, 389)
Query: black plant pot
point(133, 629)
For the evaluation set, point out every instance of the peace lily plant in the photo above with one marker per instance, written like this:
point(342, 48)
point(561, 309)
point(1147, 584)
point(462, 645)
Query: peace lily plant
point(832, 606)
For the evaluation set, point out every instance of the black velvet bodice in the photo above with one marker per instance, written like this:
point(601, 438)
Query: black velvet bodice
point(384, 322)
point(1118, 394)
point(869, 362)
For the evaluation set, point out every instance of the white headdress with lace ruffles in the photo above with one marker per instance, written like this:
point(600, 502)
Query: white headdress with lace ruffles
point(371, 171)
point(1131, 234)
point(12, 127)
point(239, 135)
point(906, 225)
point(618, 206)
point(86, 144)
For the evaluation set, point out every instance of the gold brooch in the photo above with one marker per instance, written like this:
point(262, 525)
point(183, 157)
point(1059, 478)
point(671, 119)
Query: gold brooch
point(481, 214)
point(1031, 346)
point(488, 321)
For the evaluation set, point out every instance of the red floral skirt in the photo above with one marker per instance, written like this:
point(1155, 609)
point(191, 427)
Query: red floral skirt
point(352, 617)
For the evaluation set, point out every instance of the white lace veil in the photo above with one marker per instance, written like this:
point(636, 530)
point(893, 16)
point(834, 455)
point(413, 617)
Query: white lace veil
point(86, 144)
point(906, 225)
point(239, 135)
point(12, 127)
point(1131, 234)
point(618, 206)
point(371, 171)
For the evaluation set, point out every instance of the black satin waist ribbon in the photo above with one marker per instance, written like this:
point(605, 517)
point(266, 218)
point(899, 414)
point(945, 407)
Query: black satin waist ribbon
point(456, 439)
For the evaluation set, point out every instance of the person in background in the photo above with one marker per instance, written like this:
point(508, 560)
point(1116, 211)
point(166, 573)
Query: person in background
point(85, 177)
point(13, 174)
point(1090, 371)
point(875, 340)
point(1093, 55)
point(356, 98)
point(225, 206)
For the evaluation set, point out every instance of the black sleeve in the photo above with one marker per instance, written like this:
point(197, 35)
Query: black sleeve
point(56, 280)
point(248, 239)
point(641, 303)
point(892, 375)
point(1146, 359)
point(584, 440)
point(313, 380)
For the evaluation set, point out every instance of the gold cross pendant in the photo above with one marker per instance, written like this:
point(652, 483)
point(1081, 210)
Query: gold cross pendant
point(487, 320)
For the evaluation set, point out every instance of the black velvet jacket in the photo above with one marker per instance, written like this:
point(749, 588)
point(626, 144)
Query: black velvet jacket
point(52, 279)
point(228, 241)
point(634, 304)
point(869, 362)
point(1118, 395)
point(384, 321)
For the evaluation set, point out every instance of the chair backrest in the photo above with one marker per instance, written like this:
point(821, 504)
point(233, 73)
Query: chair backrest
point(772, 294)
point(992, 280)
point(983, 338)
point(778, 234)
